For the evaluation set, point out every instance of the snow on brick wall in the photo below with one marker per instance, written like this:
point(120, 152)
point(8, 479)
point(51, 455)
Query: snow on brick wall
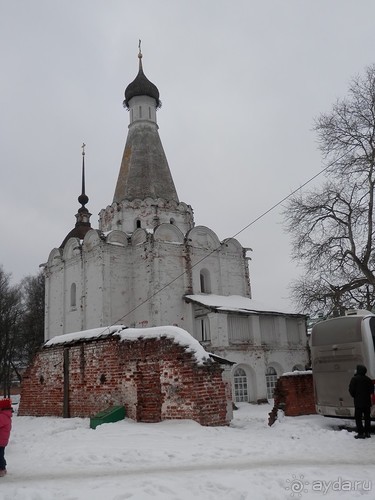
point(155, 379)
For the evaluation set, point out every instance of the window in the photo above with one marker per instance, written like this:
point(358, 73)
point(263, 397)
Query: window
point(372, 328)
point(140, 111)
point(271, 379)
point(205, 282)
point(240, 386)
point(268, 330)
point(292, 331)
point(73, 295)
point(137, 223)
point(202, 327)
point(149, 112)
point(239, 328)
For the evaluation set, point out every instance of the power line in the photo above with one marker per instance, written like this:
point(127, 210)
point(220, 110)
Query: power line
point(234, 236)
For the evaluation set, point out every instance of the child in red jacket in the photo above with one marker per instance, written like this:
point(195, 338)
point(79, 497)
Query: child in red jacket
point(5, 427)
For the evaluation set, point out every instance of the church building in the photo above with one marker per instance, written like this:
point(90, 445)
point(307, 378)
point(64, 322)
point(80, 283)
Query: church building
point(147, 264)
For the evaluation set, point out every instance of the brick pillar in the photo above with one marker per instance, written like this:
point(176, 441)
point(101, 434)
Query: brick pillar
point(149, 392)
point(294, 393)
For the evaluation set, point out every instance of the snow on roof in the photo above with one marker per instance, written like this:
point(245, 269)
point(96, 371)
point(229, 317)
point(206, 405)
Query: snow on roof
point(297, 372)
point(236, 303)
point(97, 333)
point(176, 334)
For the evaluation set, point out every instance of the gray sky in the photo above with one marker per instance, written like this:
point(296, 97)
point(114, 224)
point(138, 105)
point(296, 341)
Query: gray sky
point(241, 82)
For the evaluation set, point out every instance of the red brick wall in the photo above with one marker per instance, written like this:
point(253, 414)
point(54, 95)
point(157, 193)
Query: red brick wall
point(295, 394)
point(155, 379)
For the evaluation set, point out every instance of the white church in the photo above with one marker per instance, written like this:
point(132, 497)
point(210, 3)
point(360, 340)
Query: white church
point(148, 264)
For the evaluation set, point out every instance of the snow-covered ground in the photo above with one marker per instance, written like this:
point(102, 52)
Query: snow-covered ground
point(302, 457)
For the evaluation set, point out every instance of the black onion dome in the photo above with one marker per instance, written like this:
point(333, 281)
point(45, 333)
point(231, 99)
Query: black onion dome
point(141, 85)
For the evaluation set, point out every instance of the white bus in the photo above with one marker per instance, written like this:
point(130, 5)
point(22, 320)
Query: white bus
point(338, 345)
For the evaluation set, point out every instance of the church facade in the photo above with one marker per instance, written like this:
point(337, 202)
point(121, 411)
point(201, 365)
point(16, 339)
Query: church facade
point(148, 264)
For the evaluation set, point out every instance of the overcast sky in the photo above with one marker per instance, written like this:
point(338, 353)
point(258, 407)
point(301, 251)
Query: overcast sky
point(241, 82)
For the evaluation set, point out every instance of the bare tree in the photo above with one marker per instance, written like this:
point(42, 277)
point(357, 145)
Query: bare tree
point(32, 322)
point(10, 315)
point(332, 227)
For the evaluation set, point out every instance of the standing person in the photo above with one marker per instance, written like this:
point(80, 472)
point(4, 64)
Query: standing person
point(361, 388)
point(5, 427)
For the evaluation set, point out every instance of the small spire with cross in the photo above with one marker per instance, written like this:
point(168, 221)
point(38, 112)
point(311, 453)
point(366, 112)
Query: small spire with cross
point(83, 198)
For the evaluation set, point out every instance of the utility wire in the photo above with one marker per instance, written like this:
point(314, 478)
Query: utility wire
point(236, 234)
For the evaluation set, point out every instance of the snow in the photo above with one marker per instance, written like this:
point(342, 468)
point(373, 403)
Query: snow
point(297, 372)
point(104, 331)
point(298, 457)
point(178, 335)
point(236, 303)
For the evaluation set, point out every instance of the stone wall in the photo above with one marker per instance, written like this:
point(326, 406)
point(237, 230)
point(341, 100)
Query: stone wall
point(155, 379)
point(294, 394)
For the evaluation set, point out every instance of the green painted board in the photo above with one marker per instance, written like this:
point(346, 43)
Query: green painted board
point(108, 416)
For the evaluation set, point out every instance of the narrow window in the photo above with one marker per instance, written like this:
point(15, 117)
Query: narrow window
point(240, 386)
point(205, 282)
point(271, 379)
point(137, 223)
point(140, 111)
point(149, 112)
point(202, 328)
point(73, 295)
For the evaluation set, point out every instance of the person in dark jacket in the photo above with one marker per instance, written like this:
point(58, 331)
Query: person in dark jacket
point(361, 389)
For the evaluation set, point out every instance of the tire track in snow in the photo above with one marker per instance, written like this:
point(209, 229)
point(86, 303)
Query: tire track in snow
point(178, 469)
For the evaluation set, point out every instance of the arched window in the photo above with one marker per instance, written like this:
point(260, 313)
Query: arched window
point(137, 223)
point(205, 281)
point(271, 379)
point(240, 385)
point(171, 220)
point(73, 295)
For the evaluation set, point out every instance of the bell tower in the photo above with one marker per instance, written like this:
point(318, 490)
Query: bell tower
point(145, 194)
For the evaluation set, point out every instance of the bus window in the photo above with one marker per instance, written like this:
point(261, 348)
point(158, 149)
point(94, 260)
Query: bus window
point(372, 328)
point(331, 331)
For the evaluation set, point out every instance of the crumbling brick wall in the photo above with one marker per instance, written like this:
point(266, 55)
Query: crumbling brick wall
point(155, 379)
point(294, 393)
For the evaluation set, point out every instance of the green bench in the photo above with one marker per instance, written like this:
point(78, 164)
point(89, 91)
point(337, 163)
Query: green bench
point(108, 416)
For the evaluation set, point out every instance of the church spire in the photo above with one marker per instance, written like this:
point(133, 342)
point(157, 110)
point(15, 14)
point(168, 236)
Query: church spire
point(144, 171)
point(83, 198)
point(83, 224)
